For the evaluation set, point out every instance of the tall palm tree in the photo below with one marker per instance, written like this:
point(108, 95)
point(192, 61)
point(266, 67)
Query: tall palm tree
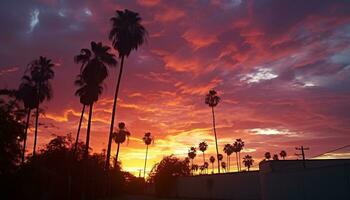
point(212, 100)
point(28, 95)
point(41, 72)
point(228, 149)
point(127, 34)
point(203, 146)
point(97, 59)
point(89, 94)
point(248, 161)
point(267, 156)
point(235, 148)
point(283, 154)
point(240, 145)
point(147, 139)
point(212, 160)
point(120, 136)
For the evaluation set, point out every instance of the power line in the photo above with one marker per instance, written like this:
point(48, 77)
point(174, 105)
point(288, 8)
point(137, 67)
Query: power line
point(337, 149)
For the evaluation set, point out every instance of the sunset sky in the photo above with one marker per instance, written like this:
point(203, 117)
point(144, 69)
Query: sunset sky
point(282, 69)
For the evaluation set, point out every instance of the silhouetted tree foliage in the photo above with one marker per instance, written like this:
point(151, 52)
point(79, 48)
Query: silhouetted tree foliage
point(267, 156)
point(46, 176)
point(164, 174)
point(283, 154)
point(11, 134)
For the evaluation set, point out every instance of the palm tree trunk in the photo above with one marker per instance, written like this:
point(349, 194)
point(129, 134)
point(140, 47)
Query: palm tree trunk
point(203, 158)
point(36, 128)
point(144, 169)
point(237, 161)
point(25, 135)
point(116, 156)
point(113, 115)
point(212, 165)
point(228, 164)
point(86, 151)
point(216, 140)
point(78, 133)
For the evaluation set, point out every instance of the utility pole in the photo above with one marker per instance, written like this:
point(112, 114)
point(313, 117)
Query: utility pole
point(302, 149)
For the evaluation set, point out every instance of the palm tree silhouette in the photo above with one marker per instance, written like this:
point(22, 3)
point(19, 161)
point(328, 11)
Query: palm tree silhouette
point(93, 72)
point(192, 152)
point(267, 156)
point(283, 154)
point(220, 157)
point(212, 160)
point(41, 72)
point(212, 100)
point(228, 149)
point(28, 95)
point(120, 136)
point(235, 148)
point(194, 168)
point(147, 139)
point(240, 145)
point(206, 165)
point(203, 146)
point(275, 157)
point(248, 161)
point(223, 166)
point(89, 94)
point(127, 34)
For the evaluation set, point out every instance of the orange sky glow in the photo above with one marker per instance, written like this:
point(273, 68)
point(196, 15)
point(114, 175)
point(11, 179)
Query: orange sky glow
point(283, 74)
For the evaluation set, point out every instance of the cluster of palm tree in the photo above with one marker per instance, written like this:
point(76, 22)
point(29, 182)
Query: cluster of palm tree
point(236, 147)
point(126, 35)
point(283, 155)
point(34, 89)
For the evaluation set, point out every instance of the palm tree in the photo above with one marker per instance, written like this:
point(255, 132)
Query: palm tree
point(127, 34)
point(235, 148)
point(203, 146)
point(27, 94)
point(228, 149)
point(283, 154)
point(90, 94)
point(41, 72)
point(192, 154)
point(147, 139)
point(240, 145)
point(93, 62)
point(267, 156)
point(206, 165)
point(275, 157)
point(223, 166)
point(212, 160)
point(248, 161)
point(194, 168)
point(220, 157)
point(120, 136)
point(212, 100)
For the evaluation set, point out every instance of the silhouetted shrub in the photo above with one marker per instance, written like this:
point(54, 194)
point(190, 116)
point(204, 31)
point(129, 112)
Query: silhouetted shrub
point(164, 173)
